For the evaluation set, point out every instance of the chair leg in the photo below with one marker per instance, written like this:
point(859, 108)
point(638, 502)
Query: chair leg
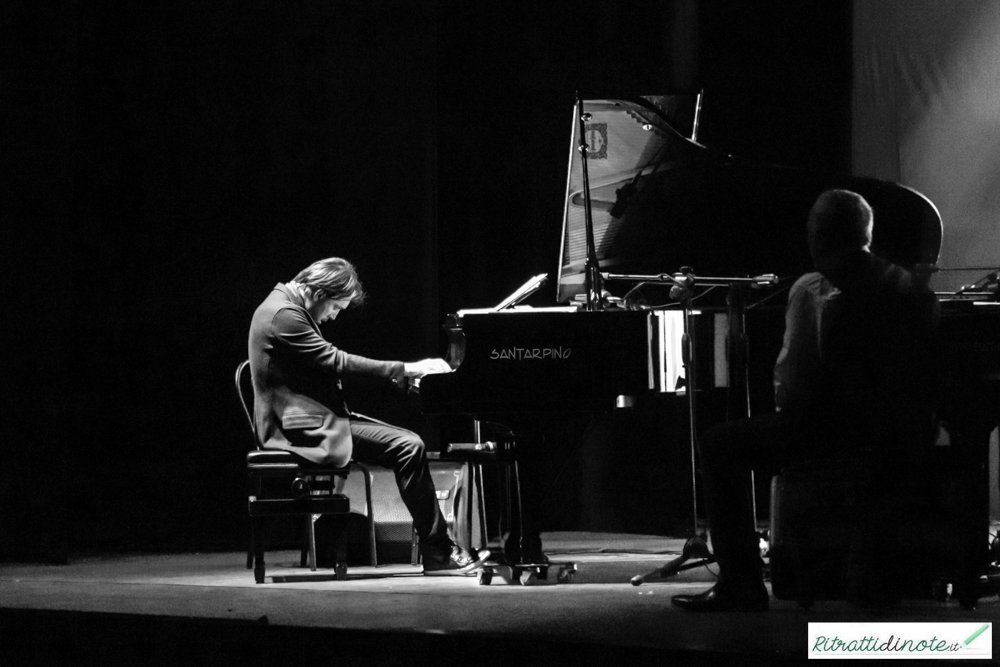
point(304, 545)
point(255, 526)
point(312, 540)
point(370, 511)
point(414, 548)
point(257, 531)
point(340, 534)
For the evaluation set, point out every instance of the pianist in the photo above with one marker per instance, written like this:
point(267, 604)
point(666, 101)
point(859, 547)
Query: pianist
point(299, 405)
point(856, 371)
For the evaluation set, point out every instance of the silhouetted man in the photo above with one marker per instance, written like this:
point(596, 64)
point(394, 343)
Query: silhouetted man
point(855, 373)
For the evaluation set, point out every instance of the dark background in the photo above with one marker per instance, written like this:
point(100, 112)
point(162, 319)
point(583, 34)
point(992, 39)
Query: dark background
point(166, 163)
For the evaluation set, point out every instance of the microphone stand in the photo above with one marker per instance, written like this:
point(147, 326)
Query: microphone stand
point(737, 349)
point(592, 275)
point(683, 284)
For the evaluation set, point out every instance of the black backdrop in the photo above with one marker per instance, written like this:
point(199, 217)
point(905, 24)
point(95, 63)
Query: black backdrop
point(164, 164)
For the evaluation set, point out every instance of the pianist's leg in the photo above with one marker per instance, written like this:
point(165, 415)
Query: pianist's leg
point(402, 451)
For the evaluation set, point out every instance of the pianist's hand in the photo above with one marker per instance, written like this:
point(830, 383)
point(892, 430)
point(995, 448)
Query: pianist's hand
point(417, 369)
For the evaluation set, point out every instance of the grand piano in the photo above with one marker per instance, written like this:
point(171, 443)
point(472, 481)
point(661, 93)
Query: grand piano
point(660, 201)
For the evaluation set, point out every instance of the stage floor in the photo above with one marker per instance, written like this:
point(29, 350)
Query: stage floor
point(205, 608)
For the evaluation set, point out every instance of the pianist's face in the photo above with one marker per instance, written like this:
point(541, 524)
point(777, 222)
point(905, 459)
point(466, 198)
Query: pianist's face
point(323, 310)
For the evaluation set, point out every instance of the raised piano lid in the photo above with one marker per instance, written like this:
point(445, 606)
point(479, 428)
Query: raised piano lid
point(660, 201)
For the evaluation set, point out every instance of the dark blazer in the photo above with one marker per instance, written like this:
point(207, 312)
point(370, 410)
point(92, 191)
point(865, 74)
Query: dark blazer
point(879, 373)
point(298, 398)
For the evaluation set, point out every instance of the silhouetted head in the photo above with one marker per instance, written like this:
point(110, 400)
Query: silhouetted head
point(839, 223)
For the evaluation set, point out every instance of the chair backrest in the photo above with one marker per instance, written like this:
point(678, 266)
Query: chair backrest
point(244, 391)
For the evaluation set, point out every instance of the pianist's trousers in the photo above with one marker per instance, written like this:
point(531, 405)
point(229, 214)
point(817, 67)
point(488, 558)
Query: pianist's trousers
point(402, 451)
point(729, 452)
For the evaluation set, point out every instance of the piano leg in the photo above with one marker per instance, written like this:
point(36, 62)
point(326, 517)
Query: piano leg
point(973, 433)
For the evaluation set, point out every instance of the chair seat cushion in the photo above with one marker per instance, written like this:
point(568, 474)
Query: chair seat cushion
point(332, 504)
point(271, 458)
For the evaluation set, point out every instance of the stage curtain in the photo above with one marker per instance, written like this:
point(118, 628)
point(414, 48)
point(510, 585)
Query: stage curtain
point(926, 113)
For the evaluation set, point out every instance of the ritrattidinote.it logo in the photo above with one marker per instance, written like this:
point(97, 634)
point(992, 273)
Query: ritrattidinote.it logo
point(894, 641)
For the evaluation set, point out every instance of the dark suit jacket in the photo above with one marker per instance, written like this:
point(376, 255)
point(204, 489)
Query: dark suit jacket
point(298, 398)
point(879, 371)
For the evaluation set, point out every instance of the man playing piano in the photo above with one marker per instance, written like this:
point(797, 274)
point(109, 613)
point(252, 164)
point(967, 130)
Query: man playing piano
point(855, 373)
point(299, 405)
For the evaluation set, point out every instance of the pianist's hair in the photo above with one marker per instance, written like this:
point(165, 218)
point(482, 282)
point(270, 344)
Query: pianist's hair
point(840, 220)
point(332, 278)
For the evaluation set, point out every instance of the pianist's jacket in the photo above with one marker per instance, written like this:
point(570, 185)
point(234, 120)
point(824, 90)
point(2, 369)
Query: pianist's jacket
point(298, 397)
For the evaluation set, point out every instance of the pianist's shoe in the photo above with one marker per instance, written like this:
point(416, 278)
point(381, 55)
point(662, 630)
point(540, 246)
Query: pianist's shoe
point(456, 561)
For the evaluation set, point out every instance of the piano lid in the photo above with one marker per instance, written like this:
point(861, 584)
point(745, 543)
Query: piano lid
point(660, 201)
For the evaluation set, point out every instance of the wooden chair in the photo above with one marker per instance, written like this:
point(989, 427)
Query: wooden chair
point(283, 484)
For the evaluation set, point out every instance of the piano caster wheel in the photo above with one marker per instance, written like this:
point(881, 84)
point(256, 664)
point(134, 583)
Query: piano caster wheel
point(485, 577)
point(530, 575)
point(566, 573)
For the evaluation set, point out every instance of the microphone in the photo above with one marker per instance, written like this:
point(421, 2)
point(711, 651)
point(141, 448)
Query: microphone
point(764, 280)
point(981, 284)
point(683, 284)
